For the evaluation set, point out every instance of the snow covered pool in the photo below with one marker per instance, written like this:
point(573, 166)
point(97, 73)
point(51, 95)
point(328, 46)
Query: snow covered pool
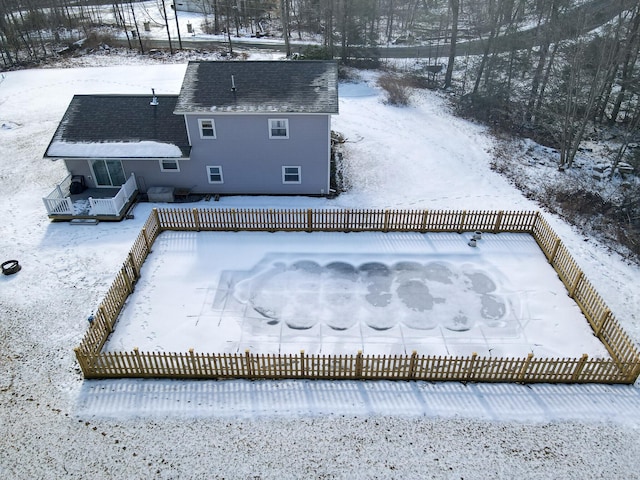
point(337, 293)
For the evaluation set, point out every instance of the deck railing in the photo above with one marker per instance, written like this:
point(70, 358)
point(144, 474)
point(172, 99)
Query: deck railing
point(58, 201)
point(113, 206)
point(622, 367)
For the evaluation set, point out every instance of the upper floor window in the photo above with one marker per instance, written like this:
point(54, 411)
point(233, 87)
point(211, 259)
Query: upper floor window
point(207, 128)
point(278, 128)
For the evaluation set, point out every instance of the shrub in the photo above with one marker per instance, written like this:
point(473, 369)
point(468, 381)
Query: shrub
point(95, 38)
point(396, 89)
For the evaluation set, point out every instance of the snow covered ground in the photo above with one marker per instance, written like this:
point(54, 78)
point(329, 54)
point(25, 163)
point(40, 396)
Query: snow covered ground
point(55, 425)
point(337, 293)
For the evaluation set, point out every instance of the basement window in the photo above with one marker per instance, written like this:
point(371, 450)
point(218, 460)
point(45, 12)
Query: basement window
point(291, 174)
point(214, 173)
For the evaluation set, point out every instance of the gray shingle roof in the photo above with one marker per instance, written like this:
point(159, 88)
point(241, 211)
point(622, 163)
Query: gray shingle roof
point(126, 123)
point(261, 87)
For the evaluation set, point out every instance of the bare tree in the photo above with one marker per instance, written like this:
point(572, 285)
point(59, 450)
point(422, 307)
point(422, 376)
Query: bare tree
point(586, 72)
point(494, 30)
point(630, 51)
point(328, 40)
point(133, 14)
point(284, 12)
point(166, 23)
point(454, 6)
point(228, 24)
point(632, 128)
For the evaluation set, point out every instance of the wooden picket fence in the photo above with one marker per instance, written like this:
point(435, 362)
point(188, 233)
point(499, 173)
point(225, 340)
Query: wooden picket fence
point(622, 367)
point(344, 220)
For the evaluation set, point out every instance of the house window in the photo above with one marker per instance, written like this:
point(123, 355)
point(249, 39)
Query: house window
point(207, 128)
point(168, 165)
point(291, 175)
point(215, 174)
point(278, 128)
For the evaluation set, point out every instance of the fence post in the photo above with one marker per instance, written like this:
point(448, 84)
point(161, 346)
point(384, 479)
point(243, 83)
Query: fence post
point(523, 371)
point(247, 363)
point(234, 220)
point(303, 366)
point(309, 220)
point(469, 375)
point(412, 365)
point(82, 360)
point(155, 214)
point(136, 273)
point(498, 224)
point(554, 252)
point(127, 281)
point(634, 372)
point(138, 359)
point(359, 364)
point(146, 240)
point(425, 215)
point(193, 359)
point(579, 367)
point(573, 289)
point(536, 215)
point(196, 219)
point(385, 227)
point(462, 221)
point(345, 220)
point(604, 318)
point(110, 321)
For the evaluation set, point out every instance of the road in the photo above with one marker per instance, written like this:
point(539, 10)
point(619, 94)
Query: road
point(578, 20)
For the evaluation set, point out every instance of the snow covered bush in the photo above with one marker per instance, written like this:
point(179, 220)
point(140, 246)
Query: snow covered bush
point(396, 89)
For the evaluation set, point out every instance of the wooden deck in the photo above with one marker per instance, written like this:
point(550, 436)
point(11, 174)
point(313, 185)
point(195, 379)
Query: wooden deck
point(81, 206)
point(81, 200)
point(107, 204)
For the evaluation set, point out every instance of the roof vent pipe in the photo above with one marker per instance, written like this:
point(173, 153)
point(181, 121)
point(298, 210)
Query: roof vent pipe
point(233, 83)
point(154, 100)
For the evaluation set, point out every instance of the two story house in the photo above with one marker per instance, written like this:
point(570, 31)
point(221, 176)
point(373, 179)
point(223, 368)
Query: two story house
point(260, 127)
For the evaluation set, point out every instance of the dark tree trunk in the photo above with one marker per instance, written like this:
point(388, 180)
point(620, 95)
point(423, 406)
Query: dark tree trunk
point(284, 11)
point(455, 12)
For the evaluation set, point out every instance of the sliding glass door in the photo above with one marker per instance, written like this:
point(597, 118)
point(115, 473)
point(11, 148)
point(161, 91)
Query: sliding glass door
point(108, 173)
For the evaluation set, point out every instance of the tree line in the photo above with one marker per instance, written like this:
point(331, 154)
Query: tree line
point(548, 69)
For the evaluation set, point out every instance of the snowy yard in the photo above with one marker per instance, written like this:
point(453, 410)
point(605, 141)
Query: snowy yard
point(56, 425)
point(337, 293)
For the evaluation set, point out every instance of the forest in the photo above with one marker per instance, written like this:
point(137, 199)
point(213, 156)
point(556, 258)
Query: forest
point(560, 72)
